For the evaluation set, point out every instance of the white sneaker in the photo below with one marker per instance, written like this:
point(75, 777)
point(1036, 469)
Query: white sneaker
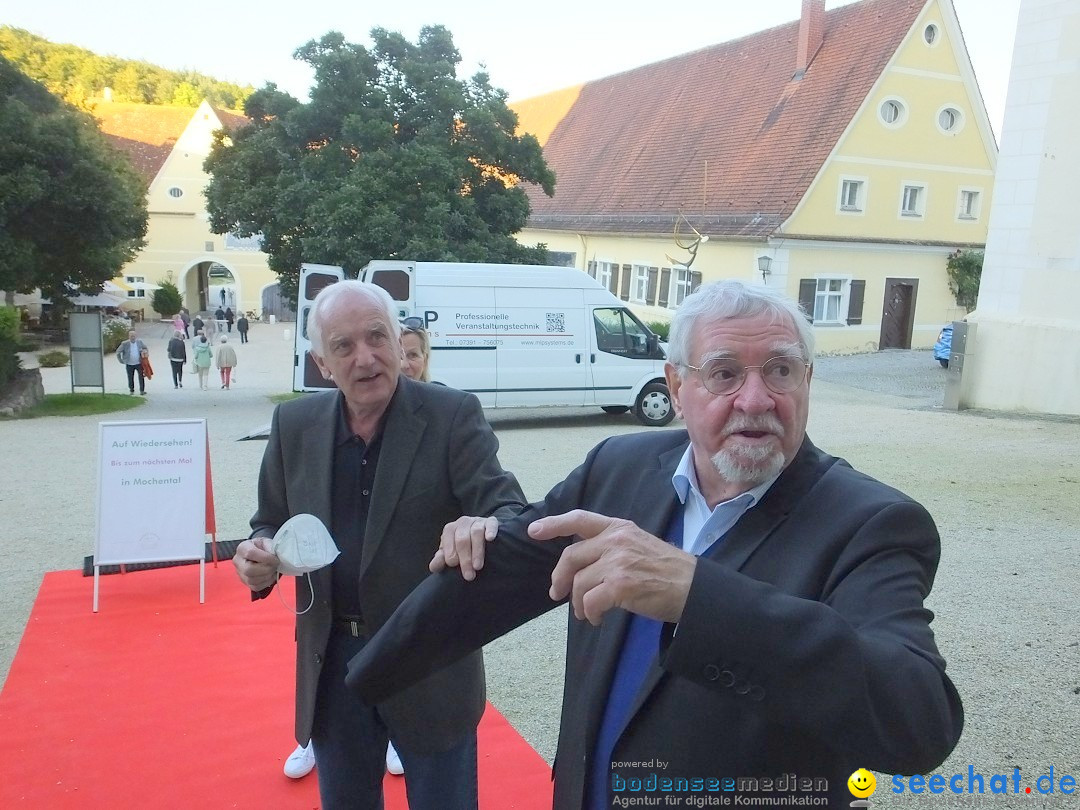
point(300, 762)
point(393, 761)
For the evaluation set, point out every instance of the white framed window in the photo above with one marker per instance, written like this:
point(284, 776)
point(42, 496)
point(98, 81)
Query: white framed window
point(931, 34)
point(680, 285)
point(137, 293)
point(893, 112)
point(969, 204)
point(852, 194)
point(950, 120)
point(639, 284)
point(176, 192)
point(603, 273)
point(831, 299)
point(913, 200)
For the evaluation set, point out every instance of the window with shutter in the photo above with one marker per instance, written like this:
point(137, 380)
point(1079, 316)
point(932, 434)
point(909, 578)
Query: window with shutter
point(855, 301)
point(624, 291)
point(665, 286)
point(650, 294)
point(592, 268)
point(807, 294)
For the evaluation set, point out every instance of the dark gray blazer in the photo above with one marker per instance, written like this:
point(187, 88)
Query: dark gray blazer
point(804, 646)
point(437, 462)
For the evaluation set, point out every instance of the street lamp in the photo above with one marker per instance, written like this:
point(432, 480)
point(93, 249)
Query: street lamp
point(764, 263)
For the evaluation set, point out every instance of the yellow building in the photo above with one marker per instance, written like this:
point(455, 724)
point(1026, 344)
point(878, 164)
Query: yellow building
point(840, 157)
point(168, 145)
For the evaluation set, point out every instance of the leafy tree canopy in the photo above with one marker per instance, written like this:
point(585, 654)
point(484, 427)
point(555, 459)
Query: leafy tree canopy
point(964, 268)
point(72, 210)
point(392, 157)
point(77, 75)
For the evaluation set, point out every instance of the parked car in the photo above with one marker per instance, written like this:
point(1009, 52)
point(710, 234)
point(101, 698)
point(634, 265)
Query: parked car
point(943, 347)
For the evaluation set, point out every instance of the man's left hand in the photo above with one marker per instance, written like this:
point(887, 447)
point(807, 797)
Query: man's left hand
point(616, 564)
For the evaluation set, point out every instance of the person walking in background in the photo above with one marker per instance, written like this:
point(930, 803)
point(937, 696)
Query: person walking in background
point(187, 321)
point(242, 327)
point(230, 316)
point(196, 326)
point(130, 354)
point(219, 314)
point(226, 361)
point(178, 322)
point(202, 359)
point(177, 357)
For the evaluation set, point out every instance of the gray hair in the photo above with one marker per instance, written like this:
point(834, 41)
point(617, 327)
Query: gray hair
point(330, 296)
point(734, 299)
point(224, 338)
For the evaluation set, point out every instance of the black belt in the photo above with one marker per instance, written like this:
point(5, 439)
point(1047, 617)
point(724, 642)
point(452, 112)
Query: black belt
point(353, 625)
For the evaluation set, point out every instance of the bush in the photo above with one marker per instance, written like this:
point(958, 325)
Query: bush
point(964, 268)
point(54, 359)
point(9, 344)
point(166, 301)
point(114, 332)
point(660, 329)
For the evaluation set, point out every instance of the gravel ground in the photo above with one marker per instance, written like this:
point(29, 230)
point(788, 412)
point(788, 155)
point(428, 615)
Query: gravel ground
point(1005, 491)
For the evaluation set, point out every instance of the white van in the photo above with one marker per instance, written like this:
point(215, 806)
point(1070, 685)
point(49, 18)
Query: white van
point(514, 335)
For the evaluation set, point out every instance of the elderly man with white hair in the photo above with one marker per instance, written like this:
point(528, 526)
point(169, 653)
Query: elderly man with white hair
point(385, 463)
point(748, 620)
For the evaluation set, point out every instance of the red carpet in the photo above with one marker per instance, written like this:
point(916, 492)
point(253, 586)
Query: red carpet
point(158, 701)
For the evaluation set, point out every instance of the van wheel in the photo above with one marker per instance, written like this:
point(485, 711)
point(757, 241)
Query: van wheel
point(614, 408)
point(653, 407)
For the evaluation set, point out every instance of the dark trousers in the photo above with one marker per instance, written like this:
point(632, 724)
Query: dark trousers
point(177, 371)
point(131, 372)
point(350, 749)
point(243, 336)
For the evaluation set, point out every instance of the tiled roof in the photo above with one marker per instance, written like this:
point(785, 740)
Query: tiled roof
point(148, 132)
point(722, 134)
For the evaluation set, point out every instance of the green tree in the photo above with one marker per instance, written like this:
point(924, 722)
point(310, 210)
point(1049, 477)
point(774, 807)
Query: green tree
point(72, 209)
point(964, 268)
point(186, 95)
point(166, 301)
point(392, 157)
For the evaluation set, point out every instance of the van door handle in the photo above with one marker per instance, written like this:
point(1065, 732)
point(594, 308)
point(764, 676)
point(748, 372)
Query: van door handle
point(592, 358)
point(577, 358)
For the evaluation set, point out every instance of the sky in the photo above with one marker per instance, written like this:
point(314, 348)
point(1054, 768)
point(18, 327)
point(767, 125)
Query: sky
point(527, 49)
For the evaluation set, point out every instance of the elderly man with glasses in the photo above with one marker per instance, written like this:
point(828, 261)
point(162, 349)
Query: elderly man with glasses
point(748, 615)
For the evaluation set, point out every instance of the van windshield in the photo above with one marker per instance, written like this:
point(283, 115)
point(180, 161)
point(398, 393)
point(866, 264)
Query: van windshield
point(619, 332)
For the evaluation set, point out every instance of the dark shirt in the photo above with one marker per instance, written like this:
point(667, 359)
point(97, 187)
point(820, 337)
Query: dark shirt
point(177, 350)
point(353, 479)
point(242, 324)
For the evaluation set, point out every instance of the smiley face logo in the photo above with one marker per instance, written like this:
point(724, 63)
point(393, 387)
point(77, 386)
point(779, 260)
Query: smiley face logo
point(862, 783)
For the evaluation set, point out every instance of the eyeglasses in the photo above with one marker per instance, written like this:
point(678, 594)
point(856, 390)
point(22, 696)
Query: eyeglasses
point(781, 375)
point(413, 323)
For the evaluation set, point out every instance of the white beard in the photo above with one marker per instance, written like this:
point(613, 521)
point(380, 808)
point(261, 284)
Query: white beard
point(751, 465)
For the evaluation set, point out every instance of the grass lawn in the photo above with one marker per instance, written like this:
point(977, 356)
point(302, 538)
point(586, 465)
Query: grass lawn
point(276, 398)
point(82, 405)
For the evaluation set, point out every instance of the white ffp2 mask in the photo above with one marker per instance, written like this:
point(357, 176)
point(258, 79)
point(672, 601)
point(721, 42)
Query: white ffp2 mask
point(302, 545)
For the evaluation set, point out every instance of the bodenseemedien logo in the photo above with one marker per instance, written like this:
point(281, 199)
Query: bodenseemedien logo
point(862, 785)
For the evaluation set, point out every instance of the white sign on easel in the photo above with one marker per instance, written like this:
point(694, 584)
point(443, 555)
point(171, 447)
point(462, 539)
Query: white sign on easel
point(151, 494)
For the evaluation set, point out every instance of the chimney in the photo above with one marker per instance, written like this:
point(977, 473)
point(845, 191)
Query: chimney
point(811, 32)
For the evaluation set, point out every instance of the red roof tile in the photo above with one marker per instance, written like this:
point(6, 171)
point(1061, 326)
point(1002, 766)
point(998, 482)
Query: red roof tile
point(147, 133)
point(722, 134)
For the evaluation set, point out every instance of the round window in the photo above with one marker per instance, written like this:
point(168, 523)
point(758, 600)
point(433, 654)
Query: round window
point(930, 34)
point(892, 111)
point(176, 191)
point(950, 119)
